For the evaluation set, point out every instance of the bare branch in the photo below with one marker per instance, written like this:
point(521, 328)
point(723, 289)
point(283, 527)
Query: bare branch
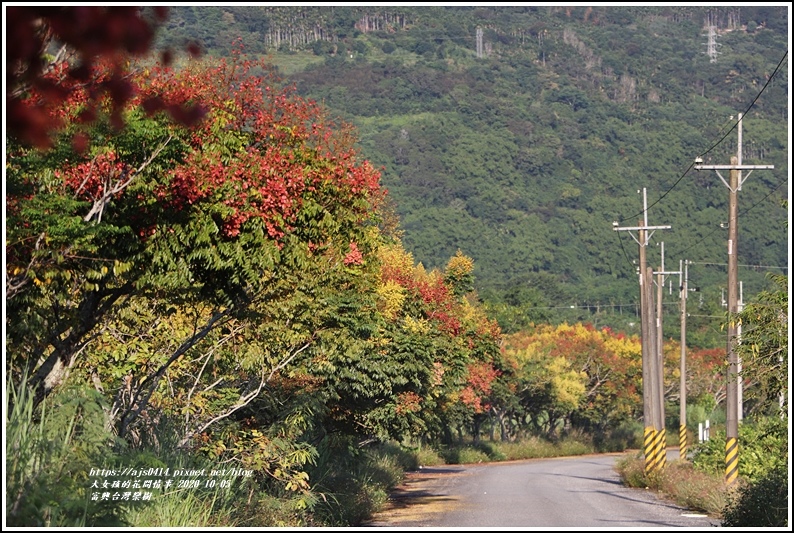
point(147, 388)
point(110, 191)
point(209, 355)
point(245, 399)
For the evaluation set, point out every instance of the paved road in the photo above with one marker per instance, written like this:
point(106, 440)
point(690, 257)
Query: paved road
point(573, 492)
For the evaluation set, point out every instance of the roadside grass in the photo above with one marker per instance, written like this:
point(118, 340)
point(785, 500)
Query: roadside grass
point(678, 482)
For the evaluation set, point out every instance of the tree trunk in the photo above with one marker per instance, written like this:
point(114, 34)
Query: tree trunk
point(55, 368)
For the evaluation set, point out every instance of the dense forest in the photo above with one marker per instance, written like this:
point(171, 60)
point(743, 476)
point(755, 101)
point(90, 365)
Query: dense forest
point(520, 134)
point(328, 244)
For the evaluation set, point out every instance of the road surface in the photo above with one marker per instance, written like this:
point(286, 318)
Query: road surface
point(571, 492)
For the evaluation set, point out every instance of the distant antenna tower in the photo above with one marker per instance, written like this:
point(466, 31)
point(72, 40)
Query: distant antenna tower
point(479, 42)
point(712, 44)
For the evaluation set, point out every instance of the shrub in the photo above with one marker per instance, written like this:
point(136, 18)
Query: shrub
point(632, 470)
point(760, 504)
point(627, 435)
point(678, 481)
point(763, 446)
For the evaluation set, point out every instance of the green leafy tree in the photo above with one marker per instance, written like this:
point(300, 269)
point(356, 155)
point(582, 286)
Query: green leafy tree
point(763, 348)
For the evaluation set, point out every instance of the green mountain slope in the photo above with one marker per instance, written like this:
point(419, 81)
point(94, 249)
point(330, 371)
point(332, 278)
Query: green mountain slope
point(520, 134)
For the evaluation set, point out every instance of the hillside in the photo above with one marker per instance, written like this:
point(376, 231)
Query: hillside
point(520, 134)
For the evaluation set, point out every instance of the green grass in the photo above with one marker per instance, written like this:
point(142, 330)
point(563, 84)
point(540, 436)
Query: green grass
point(293, 63)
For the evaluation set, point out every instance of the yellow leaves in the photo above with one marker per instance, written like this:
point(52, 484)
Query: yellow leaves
point(299, 481)
point(216, 449)
point(394, 256)
point(391, 297)
point(567, 385)
point(459, 265)
point(417, 326)
point(624, 347)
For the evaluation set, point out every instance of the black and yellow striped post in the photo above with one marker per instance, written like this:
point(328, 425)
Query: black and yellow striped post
point(660, 449)
point(649, 446)
point(682, 442)
point(731, 460)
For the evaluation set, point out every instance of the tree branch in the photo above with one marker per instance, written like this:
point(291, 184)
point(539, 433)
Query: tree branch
point(148, 386)
point(245, 399)
point(113, 189)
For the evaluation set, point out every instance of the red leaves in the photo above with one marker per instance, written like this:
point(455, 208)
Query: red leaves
point(354, 256)
point(89, 179)
point(480, 378)
point(408, 402)
point(257, 152)
point(93, 33)
point(99, 41)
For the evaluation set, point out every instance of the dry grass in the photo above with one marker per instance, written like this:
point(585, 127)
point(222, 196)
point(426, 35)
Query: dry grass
point(678, 482)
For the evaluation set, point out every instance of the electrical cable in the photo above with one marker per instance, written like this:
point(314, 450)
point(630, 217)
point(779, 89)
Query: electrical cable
point(717, 143)
point(742, 213)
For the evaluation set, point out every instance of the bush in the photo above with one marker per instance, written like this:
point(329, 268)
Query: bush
point(628, 435)
point(352, 482)
point(760, 504)
point(763, 447)
point(51, 452)
point(321, 48)
point(632, 470)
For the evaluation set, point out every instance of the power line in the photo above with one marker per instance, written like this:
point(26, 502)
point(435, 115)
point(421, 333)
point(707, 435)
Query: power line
point(717, 143)
point(624, 251)
point(742, 213)
point(747, 266)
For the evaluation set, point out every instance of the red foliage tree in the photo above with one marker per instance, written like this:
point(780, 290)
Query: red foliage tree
point(51, 52)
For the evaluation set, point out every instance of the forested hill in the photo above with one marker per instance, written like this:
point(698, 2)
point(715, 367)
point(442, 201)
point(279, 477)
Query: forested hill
point(519, 134)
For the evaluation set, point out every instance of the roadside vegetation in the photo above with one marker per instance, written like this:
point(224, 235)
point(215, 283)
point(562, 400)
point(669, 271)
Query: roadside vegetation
point(759, 498)
point(49, 457)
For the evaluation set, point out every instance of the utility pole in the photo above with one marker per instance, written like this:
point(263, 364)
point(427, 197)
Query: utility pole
point(660, 358)
point(683, 291)
point(682, 437)
point(649, 380)
point(732, 401)
point(662, 446)
point(739, 409)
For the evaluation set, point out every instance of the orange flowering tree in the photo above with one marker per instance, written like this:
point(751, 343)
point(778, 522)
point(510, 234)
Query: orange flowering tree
point(576, 374)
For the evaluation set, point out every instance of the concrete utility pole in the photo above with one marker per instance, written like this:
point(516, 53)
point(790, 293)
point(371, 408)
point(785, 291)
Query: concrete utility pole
point(682, 428)
point(739, 391)
point(650, 396)
point(732, 401)
point(662, 451)
point(682, 436)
